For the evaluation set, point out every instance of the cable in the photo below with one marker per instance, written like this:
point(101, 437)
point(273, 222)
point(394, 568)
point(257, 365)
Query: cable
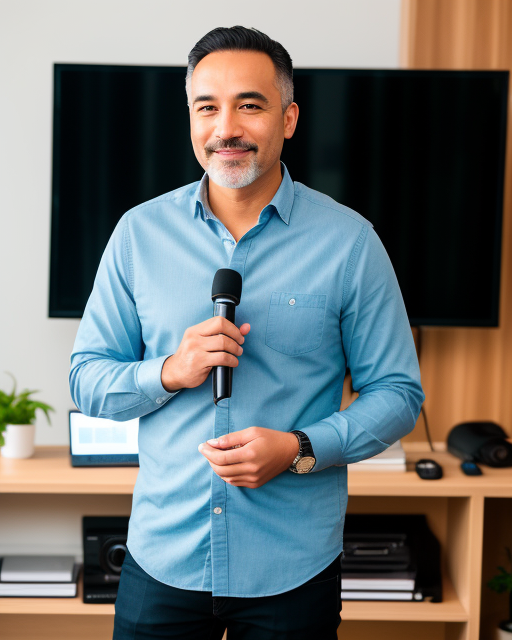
point(426, 427)
point(423, 410)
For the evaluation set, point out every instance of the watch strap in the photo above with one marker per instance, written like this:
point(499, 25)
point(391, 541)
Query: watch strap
point(305, 450)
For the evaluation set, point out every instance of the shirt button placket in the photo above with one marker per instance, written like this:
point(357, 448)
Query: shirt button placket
point(219, 541)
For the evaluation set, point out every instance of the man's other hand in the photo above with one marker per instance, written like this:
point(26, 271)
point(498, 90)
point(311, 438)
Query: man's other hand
point(251, 457)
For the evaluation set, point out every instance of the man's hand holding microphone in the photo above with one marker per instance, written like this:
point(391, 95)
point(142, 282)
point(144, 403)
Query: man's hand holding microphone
point(213, 343)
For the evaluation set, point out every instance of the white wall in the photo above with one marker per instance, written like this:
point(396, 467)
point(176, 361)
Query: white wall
point(36, 33)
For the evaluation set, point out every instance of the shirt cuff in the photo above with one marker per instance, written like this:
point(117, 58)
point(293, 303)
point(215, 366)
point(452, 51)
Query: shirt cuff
point(326, 445)
point(149, 379)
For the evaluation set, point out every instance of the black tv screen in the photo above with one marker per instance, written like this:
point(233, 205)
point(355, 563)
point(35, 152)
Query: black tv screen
point(420, 154)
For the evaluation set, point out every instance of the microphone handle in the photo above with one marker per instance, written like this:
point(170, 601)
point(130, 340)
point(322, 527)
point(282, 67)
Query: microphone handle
point(223, 376)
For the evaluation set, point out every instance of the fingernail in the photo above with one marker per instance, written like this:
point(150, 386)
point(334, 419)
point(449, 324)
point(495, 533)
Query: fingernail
point(200, 446)
point(213, 441)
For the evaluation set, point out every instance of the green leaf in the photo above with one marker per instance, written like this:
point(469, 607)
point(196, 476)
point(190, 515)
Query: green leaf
point(21, 409)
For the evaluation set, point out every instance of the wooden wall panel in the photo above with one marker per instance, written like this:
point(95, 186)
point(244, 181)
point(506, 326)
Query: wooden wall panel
point(466, 373)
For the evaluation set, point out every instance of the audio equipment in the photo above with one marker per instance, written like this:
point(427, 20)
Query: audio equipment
point(226, 294)
point(104, 540)
point(483, 442)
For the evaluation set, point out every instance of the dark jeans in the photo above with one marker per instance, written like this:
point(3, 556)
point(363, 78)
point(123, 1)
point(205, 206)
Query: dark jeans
point(147, 608)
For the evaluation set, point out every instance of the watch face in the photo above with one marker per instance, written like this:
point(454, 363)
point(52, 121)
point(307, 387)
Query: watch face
point(305, 464)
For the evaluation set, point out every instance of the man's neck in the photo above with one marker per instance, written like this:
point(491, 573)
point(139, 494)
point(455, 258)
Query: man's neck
point(239, 209)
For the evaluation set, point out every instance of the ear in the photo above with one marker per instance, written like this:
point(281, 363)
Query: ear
point(290, 116)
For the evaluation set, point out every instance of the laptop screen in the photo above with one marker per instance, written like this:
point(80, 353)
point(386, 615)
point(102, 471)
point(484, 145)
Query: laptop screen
point(100, 436)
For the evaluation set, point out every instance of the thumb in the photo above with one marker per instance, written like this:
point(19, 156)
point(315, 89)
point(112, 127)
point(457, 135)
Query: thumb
point(232, 440)
point(245, 328)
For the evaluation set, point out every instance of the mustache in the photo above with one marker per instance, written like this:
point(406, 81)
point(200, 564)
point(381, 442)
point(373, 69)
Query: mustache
point(231, 143)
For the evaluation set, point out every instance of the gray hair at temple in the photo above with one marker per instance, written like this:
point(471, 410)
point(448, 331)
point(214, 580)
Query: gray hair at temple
point(243, 39)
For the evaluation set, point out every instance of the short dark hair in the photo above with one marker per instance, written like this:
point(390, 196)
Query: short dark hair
point(242, 39)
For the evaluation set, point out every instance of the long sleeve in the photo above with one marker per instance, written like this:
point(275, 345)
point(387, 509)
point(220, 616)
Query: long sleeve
point(380, 352)
point(109, 377)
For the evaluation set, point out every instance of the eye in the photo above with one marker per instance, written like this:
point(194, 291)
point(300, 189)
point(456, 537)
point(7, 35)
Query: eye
point(207, 107)
point(251, 107)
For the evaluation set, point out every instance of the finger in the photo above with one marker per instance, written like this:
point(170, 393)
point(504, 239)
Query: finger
point(244, 483)
point(237, 480)
point(221, 457)
point(234, 471)
point(230, 440)
point(245, 328)
point(220, 342)
point(218, 324)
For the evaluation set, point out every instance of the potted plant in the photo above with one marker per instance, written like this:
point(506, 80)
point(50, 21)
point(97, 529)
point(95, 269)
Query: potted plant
point(501, 583)
point(17, 422)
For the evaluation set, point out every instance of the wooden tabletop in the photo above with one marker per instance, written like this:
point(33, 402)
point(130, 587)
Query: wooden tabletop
point(50, 471)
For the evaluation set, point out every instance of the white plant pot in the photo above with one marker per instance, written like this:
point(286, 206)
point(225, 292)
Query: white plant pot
point(19, 441)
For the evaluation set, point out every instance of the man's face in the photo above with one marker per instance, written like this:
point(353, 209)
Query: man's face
point(237, 123)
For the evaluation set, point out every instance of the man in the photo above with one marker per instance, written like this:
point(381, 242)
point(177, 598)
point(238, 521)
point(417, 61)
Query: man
point(237, 522)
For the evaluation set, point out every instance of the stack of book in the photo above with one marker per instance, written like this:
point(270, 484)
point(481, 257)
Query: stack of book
point(390, 557)
point(391, 459)
point(391, 585)
point(39, 576)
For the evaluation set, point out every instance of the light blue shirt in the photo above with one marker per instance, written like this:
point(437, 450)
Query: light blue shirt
point(320, 295)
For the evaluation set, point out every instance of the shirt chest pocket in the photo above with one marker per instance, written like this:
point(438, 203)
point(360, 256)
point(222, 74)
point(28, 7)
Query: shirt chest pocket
point(295, 323)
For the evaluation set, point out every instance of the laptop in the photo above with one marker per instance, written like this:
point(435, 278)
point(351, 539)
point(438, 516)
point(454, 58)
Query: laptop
point(99, 442)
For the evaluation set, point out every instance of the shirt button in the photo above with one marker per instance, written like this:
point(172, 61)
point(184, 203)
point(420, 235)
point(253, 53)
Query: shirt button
point(159, 400)
point(217, 510)
point(291, 301)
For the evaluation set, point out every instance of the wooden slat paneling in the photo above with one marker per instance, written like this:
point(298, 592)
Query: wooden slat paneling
point(466, 373)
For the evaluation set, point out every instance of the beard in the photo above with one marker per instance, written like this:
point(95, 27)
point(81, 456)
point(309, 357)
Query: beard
point(234, 174)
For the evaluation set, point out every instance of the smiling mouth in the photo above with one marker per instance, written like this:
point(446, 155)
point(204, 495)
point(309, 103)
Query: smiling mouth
point(232, 152)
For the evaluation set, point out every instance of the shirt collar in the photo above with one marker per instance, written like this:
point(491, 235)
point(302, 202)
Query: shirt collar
point(282, 201)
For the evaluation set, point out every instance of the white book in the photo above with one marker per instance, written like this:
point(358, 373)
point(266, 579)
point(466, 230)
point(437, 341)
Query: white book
point(42, 589)
point(37, 569)
point(377, 595)
point(391, 459)
point(358, 467)
point(384, 581)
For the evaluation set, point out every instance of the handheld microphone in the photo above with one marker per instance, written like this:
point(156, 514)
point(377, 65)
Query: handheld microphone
point(226, 294)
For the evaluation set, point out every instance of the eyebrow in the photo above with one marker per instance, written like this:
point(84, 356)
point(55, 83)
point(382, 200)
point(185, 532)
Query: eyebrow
point(245, 95)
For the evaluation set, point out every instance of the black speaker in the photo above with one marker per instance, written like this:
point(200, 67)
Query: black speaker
point(483, 442)
point(104, 539)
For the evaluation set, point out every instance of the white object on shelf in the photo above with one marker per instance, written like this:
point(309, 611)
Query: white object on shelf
point(391, 459)
point(19, 441)
point(37, 569)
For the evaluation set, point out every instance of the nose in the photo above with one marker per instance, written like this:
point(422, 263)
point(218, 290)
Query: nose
point(227, 125)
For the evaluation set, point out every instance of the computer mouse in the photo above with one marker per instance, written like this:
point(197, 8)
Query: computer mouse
point(429, 469)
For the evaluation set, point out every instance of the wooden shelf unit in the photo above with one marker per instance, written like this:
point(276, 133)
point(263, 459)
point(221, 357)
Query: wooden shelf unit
point(454, 507)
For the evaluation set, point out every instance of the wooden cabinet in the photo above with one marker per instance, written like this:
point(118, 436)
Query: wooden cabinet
point(455, 507)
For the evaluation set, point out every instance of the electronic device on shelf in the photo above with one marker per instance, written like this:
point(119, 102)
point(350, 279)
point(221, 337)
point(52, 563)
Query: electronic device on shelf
point(390, 557)
point(470, 468)
point(98, 442)
point(104, 542)
point(484, 442)
point(428, 469)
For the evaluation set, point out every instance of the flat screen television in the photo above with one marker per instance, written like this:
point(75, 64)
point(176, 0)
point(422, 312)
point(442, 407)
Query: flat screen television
point(420, 154)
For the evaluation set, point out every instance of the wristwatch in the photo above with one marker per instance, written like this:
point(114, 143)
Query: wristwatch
point(305, 459)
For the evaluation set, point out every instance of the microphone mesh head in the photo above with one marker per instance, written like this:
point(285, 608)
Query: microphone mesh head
point(227, 283)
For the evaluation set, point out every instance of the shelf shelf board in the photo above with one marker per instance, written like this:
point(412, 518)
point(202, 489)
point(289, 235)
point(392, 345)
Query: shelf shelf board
point(49, 471)
point(450, 610)
point(54, 606)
